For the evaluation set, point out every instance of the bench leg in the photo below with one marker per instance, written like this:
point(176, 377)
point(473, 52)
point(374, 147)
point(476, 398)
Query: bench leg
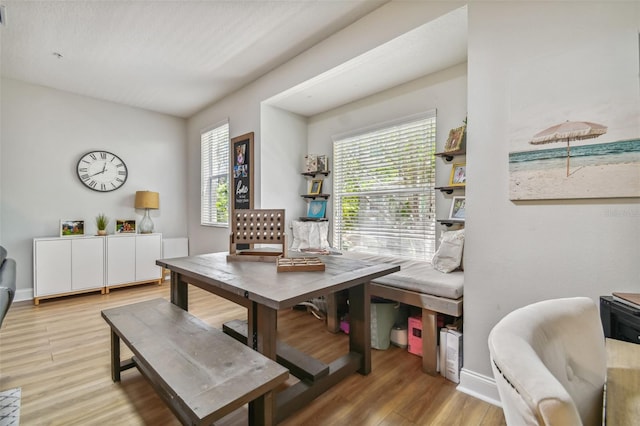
point(115, 357)
point(430, 342)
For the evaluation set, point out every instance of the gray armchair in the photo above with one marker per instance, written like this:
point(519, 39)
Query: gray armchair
point(7, 282)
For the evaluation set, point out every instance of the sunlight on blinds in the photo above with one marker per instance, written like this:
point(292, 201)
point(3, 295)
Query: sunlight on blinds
point(384, 196)
point(214, 184)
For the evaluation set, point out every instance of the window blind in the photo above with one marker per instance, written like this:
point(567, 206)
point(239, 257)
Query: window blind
point(384, 195)
point(214, 183)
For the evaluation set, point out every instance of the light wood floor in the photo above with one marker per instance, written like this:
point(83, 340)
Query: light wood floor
point(58, 353)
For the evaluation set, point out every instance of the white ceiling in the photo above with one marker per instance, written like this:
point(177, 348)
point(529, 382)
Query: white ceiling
point(177, 57)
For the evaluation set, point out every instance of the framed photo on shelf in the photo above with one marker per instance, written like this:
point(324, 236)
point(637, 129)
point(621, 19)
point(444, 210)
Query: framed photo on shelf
point(458, 175)
point(316, 187)
point(69, 228)
point(322, 163)
point(457, 208)
point(454, 142)
point(317, 209)
point(125, 226)
point(311, 163)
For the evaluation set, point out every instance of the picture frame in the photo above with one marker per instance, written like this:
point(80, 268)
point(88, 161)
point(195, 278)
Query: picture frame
point(71, 228)
point(317, 209)
point(322, 163)
point(458, 174)
point(456, 136)
point(125, 226)
point(458, 208)
point(310, 163)
point(316, 187)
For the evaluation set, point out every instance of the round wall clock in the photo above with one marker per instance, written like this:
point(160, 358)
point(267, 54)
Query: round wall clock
point(102, 171)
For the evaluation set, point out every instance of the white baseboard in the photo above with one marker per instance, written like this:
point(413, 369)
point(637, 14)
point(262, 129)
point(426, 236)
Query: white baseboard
point(479, 386)
point(23, 294)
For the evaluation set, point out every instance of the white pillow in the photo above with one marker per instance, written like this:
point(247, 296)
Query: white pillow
point(309, 235)
point(449, 254)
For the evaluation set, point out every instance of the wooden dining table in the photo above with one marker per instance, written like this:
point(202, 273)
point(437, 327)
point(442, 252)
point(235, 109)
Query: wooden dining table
point(622, 391)
point(263, 290)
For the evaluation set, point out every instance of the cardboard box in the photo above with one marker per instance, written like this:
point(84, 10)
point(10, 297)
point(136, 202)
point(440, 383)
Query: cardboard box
point(454, 355)
point(415, 335)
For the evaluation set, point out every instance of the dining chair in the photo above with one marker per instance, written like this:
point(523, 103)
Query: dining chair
point(7, 282)
point(549, 363)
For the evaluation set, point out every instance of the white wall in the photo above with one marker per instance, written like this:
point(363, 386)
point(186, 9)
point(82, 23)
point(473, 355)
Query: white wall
point(445, 91)
point(45, 132)
point(519, 253)
point(243, 107)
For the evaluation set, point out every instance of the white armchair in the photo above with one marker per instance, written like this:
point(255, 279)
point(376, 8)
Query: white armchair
point(549, 363)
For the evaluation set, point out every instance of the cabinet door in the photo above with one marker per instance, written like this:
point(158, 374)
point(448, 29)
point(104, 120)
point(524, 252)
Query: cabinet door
point(52, 267)
point(148, 250)
point(121, 259)
point(87, 263)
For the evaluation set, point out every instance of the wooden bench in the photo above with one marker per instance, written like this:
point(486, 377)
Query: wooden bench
point(201, 373)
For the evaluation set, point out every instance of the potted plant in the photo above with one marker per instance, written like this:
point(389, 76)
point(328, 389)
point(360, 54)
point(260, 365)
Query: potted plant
point(101, 222)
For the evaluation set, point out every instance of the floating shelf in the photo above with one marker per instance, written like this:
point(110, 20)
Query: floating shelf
point(312, 174)
point(450, 222)
point(450, 154)
point(449, 189)
point(314, 196)
point(313, 219)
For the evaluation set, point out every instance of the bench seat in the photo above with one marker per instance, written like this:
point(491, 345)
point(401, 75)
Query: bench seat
point(201, 373)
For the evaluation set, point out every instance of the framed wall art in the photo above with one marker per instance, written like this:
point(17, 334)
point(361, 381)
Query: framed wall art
point(70, 228)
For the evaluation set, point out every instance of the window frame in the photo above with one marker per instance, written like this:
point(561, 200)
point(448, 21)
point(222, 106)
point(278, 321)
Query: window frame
point(215, 157)
point(393, 237)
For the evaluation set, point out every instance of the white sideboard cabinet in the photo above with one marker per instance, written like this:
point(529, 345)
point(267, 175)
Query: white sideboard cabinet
point(131, 259)
point(70, 265)
point(67, 265)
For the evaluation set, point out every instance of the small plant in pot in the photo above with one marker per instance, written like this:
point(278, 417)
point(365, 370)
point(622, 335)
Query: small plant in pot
point(101, 222)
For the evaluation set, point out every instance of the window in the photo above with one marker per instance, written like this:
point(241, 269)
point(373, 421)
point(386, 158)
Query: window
point(214, 166)
point(384, 195)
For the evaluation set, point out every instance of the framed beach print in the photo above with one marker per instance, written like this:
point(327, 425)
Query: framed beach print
point(125, 226)
point(316, 187)
point(457, 208)
point(70, 228)
point(458, 175)
point(317, 209)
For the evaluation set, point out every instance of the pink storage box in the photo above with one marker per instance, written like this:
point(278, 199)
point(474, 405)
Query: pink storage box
point(415, 335)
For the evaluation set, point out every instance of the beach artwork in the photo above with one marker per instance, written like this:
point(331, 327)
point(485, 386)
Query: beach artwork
point(567, 142)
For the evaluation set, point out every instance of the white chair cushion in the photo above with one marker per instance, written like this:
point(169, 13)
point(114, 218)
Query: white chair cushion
point(309, 235)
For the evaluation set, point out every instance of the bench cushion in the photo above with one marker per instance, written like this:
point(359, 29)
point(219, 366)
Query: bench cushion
point(418, 276)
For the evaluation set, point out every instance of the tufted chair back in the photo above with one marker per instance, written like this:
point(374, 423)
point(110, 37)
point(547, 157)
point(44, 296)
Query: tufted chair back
point(549, 362)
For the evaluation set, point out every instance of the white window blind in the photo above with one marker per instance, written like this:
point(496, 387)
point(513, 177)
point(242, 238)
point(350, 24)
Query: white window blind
point(214, 184)
point(384, 196)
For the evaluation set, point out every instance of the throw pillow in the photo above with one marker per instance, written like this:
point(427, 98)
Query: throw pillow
point(309, 235)
point(449, 254)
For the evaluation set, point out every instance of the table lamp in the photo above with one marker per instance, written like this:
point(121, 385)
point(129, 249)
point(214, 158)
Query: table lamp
point(147, 200)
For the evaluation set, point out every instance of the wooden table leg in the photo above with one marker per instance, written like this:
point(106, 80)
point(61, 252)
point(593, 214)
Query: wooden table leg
point(360, 324)
point(115, 357)
point(179, 291)
point(262, 325)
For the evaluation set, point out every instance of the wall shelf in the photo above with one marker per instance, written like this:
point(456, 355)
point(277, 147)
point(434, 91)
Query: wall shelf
point(450, 189)
point(449, 155)
point(314, 196)
point(450, 222)
point(313, 219)
point(313, 174)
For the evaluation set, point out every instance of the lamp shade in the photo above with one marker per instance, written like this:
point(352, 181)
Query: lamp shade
point(147, 200)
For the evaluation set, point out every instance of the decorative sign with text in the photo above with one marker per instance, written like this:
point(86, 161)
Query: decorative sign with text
point(242, 171)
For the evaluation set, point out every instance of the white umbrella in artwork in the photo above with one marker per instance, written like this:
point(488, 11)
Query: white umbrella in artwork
point(567, 132)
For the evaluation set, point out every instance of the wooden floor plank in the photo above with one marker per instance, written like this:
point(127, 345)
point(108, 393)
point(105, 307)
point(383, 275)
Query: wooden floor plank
point(58, 353)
